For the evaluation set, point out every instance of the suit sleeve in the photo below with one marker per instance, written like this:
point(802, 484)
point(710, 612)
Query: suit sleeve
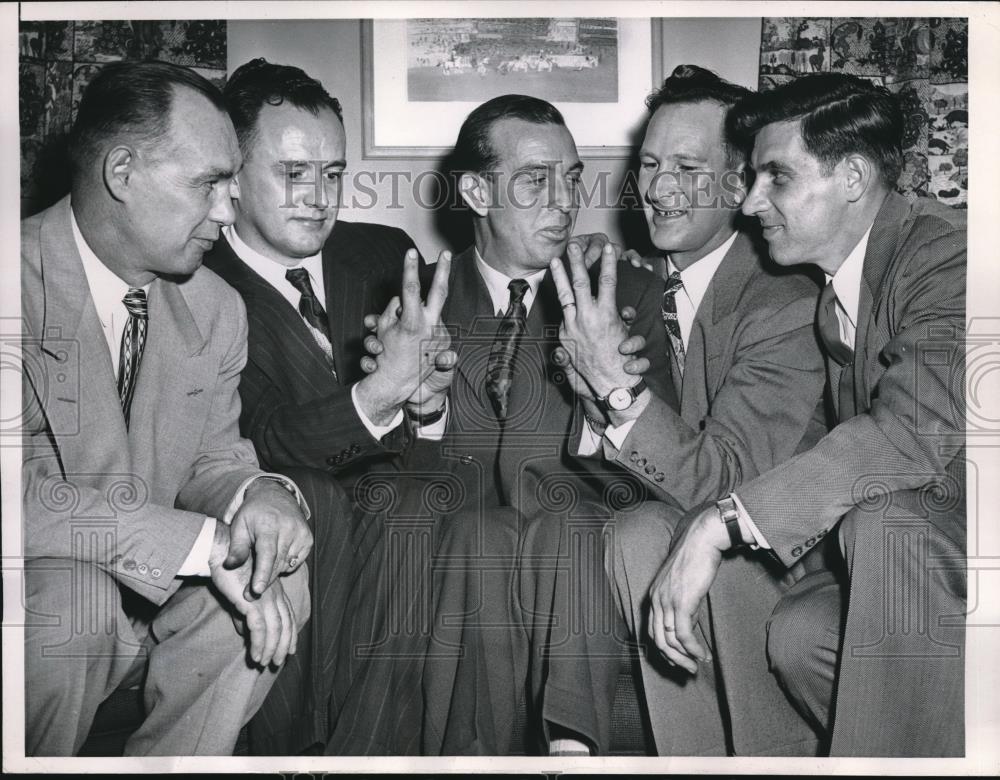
point(326, 432)
point(913, 428)
point(758, 417)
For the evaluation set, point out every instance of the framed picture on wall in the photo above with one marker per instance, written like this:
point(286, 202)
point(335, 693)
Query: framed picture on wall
point(421, 78)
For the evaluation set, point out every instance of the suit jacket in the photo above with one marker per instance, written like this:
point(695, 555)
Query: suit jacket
point(752, 387)
point(894, 470)
point(294, 411)
point(131, 502)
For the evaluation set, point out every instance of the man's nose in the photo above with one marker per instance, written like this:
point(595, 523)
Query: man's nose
point(222, 210)
point(756, 201)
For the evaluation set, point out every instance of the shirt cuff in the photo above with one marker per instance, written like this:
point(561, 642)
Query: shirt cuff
point(237, 500)
point(618, 433)
point(377, 431)
point(196, 563)
point(590, 440)
point(747, 524)
point(434, 431)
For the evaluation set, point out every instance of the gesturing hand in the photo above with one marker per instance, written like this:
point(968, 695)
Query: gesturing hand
point(683, 582)
point(595, 337)
point(411, 347)
point(270, 524)
point(270, 619)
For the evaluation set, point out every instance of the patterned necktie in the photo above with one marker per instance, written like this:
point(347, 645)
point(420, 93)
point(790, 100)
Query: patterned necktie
point(673, 286)
point(312, 312)
point(828, 325)
point(133, 342)
point(500, 369)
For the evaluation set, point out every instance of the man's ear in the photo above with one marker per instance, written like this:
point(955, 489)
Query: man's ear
point(119, 164)
point(859, 173)
point(234, 187)
point(475, 192)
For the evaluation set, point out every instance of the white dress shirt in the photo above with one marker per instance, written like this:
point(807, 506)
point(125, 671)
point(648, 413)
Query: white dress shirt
point(106, 291)
point(696, 279)
point(497, 285)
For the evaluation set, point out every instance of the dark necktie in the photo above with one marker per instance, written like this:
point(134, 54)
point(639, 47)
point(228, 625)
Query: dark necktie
point(133, 342)
point(312, 312)
point(669, 310)
point(828, 325)
point(500, 369)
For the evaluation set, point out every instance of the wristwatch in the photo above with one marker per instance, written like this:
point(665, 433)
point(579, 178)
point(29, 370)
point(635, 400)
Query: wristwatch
point(731, 519)
point(621, 398)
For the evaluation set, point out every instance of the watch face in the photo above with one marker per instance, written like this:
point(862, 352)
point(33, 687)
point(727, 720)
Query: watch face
point(619, 399)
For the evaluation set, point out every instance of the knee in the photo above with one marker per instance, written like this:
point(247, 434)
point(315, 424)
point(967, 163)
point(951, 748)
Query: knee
point(646, 531)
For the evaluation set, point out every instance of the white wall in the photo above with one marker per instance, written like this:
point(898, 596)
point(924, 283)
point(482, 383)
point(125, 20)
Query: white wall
point(330, 50)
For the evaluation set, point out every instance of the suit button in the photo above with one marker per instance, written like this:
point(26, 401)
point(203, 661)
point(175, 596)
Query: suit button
point(796, 552)
point(115, 560)
point(466, 459)
point(641, 462)
point(659, 477)
point(155, 574)
point(651, 469)
point(355, 449)
point(142, 568)
point(129, 565)
point(810, 541)
point(331, 461)
point(633, 457)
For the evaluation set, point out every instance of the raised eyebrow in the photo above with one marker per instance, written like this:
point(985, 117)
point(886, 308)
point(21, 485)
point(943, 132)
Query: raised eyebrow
point(216, 173)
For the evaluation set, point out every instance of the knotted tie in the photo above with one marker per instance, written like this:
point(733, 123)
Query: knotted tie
point(312, 312)
point(133, 342)
point(829, 327)
point(673, 286)
point(500, 369)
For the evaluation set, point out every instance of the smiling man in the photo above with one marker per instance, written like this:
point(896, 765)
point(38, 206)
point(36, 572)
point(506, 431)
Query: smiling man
point(871, 652)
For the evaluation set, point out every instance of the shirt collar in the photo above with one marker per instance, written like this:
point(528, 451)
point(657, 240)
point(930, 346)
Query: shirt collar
point(272, 271)
point(106, 288)
point(847, 279)
point(496, 284)
point(697, 276)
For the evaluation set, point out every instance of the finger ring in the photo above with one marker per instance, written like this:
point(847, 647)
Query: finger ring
point(668, 628)
point(567, 305)
point(293, 562)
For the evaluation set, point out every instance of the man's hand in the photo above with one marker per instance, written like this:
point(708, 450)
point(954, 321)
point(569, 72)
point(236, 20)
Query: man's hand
point(591, 245)
point(412, 356)
point(593, 333)
point(270, 619)
point(683, 582)
point(270, 524)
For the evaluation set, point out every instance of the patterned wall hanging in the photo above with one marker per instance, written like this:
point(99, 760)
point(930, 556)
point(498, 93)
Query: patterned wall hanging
point(923, 61)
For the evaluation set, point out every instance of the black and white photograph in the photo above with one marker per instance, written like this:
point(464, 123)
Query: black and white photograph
point(449, 388)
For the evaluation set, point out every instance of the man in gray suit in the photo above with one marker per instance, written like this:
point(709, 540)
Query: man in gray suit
point(882, 636)
point(155, 549)
point(749, 375)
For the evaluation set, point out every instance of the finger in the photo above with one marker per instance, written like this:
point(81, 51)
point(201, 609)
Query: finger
point(265, 551)
point(564, 290)
point(637, 366)
point(368, 364)
point(239, 544)
point(674, 649)
point(411, 284)
point(439, 285)
point(607, 282)
point(272, 622)
point(581, 281)
point(632, 345)
point(632, 257)
point(597, 242)
point(629, 315)
point(560, 356)
point(371, 322)
point(655, 627)
point(257, 627)
point(389, 316)
point(373, 345)
point(687, 638)
point(446, 360)
point(286, 630)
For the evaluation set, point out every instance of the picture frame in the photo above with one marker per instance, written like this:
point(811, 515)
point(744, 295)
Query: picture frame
point(395, 127)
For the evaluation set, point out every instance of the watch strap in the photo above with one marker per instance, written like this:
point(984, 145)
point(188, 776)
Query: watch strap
point(731, 519)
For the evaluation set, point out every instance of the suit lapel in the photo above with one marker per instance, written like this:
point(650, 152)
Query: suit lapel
point(348, 294)
point(468, 313)
point(84, 408)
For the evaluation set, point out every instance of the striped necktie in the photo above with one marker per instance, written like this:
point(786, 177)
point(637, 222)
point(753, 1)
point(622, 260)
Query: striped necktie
point(828, 325)
point(313, 313)
point(500, 368)
point(669, 310)
point(133, 342)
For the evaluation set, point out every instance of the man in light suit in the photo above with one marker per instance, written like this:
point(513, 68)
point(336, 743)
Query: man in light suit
point(889, 479)
point(155, 548)
point(749, 374)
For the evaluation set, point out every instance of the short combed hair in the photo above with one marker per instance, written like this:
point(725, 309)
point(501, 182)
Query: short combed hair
point(694, 84)
point(258, 83)
point(131, 98)
point(839, 114)
point(474, 152)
